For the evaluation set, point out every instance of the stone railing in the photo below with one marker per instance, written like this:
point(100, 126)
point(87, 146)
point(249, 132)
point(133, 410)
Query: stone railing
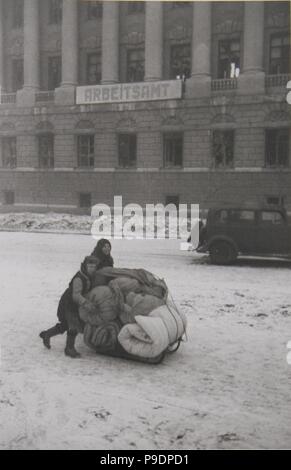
point(44, 96)
point(222, 84)
point(279, 80)
point(8, 98)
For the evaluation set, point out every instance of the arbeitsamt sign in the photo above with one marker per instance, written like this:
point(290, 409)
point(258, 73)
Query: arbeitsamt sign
point(126, 92)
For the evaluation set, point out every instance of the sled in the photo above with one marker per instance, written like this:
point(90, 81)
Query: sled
point(122, 354)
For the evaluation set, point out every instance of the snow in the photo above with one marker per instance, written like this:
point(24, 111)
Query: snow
point(46, 222)
point(52, 222)
point(227, 387)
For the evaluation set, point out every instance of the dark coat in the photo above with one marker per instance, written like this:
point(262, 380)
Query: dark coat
point(68, 309)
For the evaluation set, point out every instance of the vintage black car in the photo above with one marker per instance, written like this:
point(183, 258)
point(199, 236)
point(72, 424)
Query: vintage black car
point(229, 232)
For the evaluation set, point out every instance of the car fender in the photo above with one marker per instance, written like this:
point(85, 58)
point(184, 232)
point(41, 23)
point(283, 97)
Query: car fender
point(222, 238)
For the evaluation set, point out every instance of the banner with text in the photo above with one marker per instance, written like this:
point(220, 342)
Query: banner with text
point(128, 92)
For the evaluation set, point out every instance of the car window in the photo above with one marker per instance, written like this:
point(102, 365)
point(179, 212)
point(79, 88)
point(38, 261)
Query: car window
point(272, 218)
point(241, 216)
point(234, 216)
point(221, 216)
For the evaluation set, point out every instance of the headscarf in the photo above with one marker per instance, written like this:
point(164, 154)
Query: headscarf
point(105, 260)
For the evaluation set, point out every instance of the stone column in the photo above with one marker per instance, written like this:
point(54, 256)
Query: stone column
point(70, 53)
point(110, 42)
point(200, 82)
point(1, 49)
point(26, 96)
point(252, 77)
point(154, 41)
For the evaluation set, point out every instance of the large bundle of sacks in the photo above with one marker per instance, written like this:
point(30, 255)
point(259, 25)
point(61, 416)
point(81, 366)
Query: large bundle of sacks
point(135, 316)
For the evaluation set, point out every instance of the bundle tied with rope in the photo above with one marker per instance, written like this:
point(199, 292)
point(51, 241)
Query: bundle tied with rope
point(135, 317)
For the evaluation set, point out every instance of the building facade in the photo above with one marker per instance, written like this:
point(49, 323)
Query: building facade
point(222, 136)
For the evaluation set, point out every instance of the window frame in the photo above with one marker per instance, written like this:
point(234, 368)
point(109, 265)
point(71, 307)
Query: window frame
point(268, 163)
point(128, 162)
point(128, 62)
point(171, 69)
point(51, 160)
point(6, 194)
point(84, 195)
point(168, 147)
point(90, 156)
point(225, 163)
point(273, 200)
point(228, 40)
point(50, 82)
point(11, 163)
point(17, 84)
point(281, 35)
point(98, 64)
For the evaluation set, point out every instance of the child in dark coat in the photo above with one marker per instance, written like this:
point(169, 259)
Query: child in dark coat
point(102, 251)
point(68, 308)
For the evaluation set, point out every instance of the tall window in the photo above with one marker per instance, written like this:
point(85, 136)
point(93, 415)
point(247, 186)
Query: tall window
point(9, 197)
point(229, 58)
point(173, 199)
point(9, 156)
point(279, 54)
point(54, 72)
point(55, 11)
point(17, 13)
point(46, 150)
point(278, 200)
point(127, 150)
point(223, 148)
point(135, 7)
point(85, 200)
point(17, 74)
point(135, 65)
point(86, 151)
point(180, 61)
point(173, 149)
point(93, 68)
point(277, 147)
point(94, 10)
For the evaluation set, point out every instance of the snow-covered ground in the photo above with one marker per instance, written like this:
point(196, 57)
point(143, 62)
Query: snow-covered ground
point(52, 222)
point(228, 386)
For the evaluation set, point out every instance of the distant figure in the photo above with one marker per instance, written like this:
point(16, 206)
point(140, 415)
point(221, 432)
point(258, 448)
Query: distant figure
point(201, 233)
point(102, 251)
point(68, 309)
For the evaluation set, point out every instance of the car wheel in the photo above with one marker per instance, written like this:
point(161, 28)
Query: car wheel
point(222, 252)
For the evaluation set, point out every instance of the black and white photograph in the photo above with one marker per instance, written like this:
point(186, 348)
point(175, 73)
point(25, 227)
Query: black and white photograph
point(145, 227)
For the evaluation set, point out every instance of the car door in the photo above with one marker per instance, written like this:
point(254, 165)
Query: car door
point(217, 223)
point(242, 229)
point(273, 235)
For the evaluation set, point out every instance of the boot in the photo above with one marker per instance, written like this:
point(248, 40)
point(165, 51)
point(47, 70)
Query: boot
point(47, 334)
point(70, 345)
